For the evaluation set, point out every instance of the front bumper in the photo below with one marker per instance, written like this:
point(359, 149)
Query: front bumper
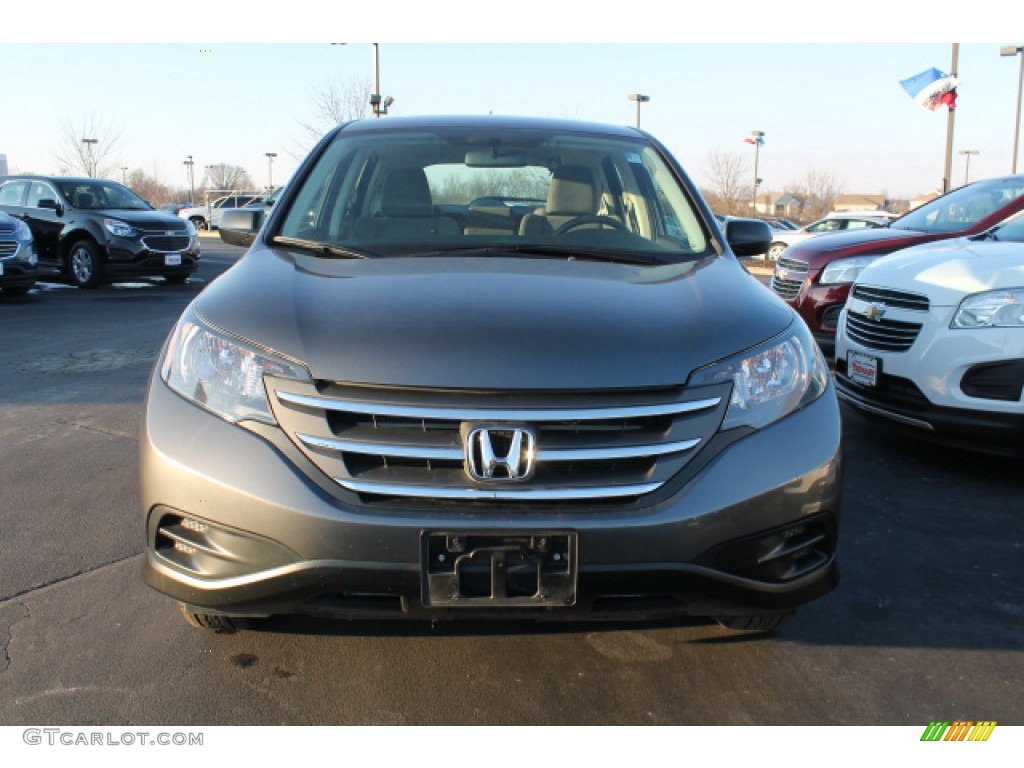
point(921, 390)
point(16, 273)
point(820, 306)
point(284, 541)
point(131, 258)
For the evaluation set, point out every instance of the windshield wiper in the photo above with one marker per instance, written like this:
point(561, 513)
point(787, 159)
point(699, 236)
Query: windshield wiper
point(322, 249)
point(552, 251)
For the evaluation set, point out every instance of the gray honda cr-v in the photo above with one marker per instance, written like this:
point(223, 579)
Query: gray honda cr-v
point(480, 367)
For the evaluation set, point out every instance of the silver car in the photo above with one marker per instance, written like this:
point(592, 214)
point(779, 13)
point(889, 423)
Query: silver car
point(403, 403)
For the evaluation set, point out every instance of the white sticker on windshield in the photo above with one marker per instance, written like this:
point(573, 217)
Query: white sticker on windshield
point(633, 157)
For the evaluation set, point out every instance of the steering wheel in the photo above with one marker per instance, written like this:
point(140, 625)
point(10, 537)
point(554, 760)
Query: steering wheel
point(579, 221)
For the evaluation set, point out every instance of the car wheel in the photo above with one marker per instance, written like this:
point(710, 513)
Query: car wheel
point(762, 622)
point(198, 222)
point(211, 621)
point(84, 267)
point(16, 290)
point(776, 250)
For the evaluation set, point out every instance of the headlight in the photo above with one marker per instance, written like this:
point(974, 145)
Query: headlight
point(22, 231)
point(190, 228)
point(770, 382)
point(222, 374)
point(992, 309)
point(845, 270)
point(119, 228)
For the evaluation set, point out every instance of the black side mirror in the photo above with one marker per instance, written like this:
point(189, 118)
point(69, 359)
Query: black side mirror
point(51, 205)
point(748, 237)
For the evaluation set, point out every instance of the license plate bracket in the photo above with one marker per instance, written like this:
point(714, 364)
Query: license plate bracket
point(863, 369)
point(478, 570)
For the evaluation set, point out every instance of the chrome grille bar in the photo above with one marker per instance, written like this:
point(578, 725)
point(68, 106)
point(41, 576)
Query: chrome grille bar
point(439, 453)
point(496, 494)
point(499, 414)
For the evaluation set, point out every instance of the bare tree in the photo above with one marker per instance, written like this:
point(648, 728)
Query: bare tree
point(726, 172)
point(222, 176)
point(148, 188)
point(333, 103)
point(821, 187)
point(87, 146)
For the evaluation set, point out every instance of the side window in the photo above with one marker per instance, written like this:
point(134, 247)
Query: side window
point(40, 191)
point(860, 224)
point(13, 193)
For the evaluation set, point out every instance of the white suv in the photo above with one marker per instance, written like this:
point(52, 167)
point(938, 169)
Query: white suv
point(834, 222)
point(932, 339)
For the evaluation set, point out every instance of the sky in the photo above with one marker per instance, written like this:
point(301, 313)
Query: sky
point(228, 83)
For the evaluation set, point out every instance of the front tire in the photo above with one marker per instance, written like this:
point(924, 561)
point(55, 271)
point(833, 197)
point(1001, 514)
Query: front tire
point(198, 222)
point(84, 266)
point(776, 251)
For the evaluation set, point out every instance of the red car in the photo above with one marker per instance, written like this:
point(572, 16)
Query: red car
point(814, 276)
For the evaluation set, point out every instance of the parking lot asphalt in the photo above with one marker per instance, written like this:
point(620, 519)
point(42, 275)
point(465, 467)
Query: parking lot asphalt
point(927, 623)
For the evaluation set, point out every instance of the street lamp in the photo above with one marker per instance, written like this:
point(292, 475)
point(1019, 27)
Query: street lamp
point(1014, 50)
point(90, 163)
point(124, 170)
point(639, 98)
point(270, 170)
point(190, 165)
point(967, 162)
point(757, 139)
point(377, 104)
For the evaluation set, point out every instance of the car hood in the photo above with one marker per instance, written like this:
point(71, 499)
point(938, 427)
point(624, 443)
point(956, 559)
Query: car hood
point(818, 251)
point(145, 219)
point(493, 323)
point(948, 271)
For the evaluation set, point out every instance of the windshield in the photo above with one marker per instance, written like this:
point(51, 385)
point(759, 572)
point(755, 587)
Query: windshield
point(963, 207)
point(1012, 230)
point(517, 190)
point(94, 195)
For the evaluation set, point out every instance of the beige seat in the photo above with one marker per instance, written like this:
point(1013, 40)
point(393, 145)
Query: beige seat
point(406, 211)
point(572, 194)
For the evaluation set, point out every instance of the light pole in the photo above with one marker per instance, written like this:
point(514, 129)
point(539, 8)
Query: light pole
point(190, 165)
point(124, 170)
point(377, 104)
point(967, 163)
point(1015, 50)
point(90, 163)
point(639, 98)
point(270, 170)
point(757, 139)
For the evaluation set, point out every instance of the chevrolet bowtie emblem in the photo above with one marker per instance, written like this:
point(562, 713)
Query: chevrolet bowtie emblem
point(874, 311)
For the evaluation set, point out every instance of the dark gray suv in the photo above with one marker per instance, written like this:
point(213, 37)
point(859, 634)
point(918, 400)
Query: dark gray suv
point(483, 367)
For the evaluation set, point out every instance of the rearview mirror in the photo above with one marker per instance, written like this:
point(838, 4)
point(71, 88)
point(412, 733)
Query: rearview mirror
point(51, 205)
point(495, 157)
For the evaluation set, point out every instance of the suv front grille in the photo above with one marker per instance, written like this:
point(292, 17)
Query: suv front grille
point(882, 334)
point(8, 248)
point(891, 298)
point(788, 286)
point(412, 443)
point(166, 243)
